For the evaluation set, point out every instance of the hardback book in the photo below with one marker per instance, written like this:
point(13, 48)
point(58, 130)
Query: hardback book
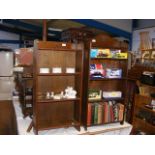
point(105, 115)
point(112, 94)
point(100, 113)
point(113, 73)
point(103, 53)
point(121, 110)
point(96, 114)
point(100, 53)
point(121, 55)
point(111, 113)
point(115, 111)
point(93, 53)
point(89, 114)
point(94, 95)
point(92, 113)
point(97, 71)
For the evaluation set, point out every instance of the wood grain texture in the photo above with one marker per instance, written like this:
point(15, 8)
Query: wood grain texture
point(8, 124)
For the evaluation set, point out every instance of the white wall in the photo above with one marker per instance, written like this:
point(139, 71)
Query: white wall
point(9, 36)
point(123, 24)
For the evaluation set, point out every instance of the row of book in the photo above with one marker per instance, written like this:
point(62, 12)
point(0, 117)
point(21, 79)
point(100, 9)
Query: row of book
point(95, 95)
point(99, 71)
point(106, 112)
point(108, 53)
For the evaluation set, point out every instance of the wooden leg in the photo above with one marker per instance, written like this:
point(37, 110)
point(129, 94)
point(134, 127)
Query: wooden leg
point(85, 128)
point(30, 127)
point(122, 122)
point(35, 131)
point(77, 127)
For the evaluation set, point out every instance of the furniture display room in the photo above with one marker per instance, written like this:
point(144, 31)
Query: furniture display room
point(77, 77)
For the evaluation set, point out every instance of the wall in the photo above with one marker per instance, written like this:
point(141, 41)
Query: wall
point(144, 23)
point(9, 36)
point(123, 24)
point(136, 37)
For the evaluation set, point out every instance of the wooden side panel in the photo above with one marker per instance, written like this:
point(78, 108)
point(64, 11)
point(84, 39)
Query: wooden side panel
point(55, 114)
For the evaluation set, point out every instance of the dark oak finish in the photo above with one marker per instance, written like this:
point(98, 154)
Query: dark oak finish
point(45, 29)
point(106, 84)
point(24, 83)
point(50, 113)
point(140, 124)
point(8, 123)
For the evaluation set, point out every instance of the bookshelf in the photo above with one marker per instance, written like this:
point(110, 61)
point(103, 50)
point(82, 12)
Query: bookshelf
point(104, 110)
point(25, 86)
point(27, 96)
point(143, 117)
point(62, 111)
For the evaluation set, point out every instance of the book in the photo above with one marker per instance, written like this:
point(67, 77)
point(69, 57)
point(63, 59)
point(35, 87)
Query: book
point(93, 53)
point(111, 113)
point(121, 110)
point(103, 53)
point(89, 114)
point(115, 111)
point(100, 53)
point(105, 115)
point(97, 71)
point(92, 113)
point(94, 95)
point(96, 114)
point(113, 73)
point(100, 113)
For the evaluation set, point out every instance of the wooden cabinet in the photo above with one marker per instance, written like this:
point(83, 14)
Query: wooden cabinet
point(143, 117)
point(101, 111)
point(63, 112)
point(24, 83)
point(26, 95)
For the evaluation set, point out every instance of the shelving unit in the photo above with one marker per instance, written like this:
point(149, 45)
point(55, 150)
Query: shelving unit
point(104, 84)
point(24, 80)
point(54, 113)
point(27, 96)
point(144, 118)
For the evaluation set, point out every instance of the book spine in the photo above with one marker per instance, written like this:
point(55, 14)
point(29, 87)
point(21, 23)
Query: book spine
point(109, 116)
point(100, 113)
point(121, 111)
point(92, 113)
point(89, 114)
point(115, 111)
point(96, 114)
point(111, 113)
point(105, 112)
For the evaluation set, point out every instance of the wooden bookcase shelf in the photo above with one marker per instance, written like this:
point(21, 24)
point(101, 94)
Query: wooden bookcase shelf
point(117, 59)
point(25, 86)
point(142, 116)
point(59, 74)
point(56, 100)
point(148, 50)
point(107, 99)
point(104, 123)
point(54, 113)
point(70, 123)
point(106, 79)
point(103, 84)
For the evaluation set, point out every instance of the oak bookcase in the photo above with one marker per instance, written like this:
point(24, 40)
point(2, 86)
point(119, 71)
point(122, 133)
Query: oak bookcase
point(104, 84)
point(55, 113)
point(143, 117)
